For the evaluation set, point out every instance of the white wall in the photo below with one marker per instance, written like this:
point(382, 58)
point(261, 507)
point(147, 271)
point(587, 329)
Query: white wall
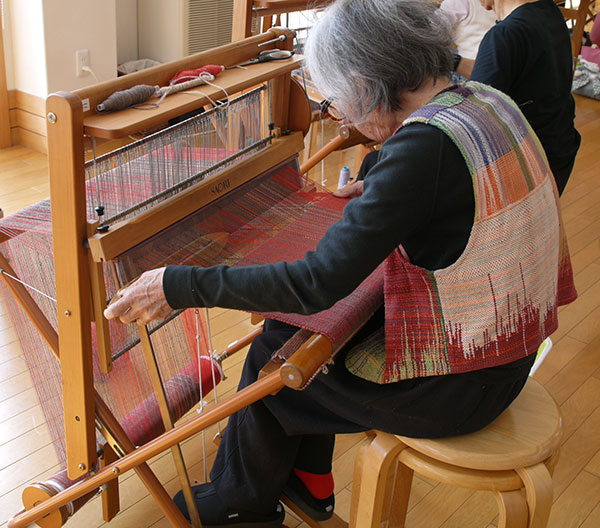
point(42, 36)
point(127, 30)
point(25, 47)
point(82, 24)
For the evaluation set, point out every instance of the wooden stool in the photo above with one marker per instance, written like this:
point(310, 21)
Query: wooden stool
point(517, 452)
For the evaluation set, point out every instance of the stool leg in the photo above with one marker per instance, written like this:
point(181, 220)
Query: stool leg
point(376, 468)
point(539, 490)
point(551, 461)
point(513, 509)
point(359, 465)
point(399, 497)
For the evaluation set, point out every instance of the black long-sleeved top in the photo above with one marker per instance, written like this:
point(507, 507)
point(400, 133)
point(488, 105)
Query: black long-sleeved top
point(527, 55)
point(419, 195)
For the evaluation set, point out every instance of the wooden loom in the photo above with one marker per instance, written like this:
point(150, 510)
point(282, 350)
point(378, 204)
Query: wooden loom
point(80, 250)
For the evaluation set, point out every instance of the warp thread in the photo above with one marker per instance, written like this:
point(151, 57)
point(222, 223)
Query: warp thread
point(126, 98)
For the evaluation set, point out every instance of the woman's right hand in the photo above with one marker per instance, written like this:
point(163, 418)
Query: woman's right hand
point(352, 190)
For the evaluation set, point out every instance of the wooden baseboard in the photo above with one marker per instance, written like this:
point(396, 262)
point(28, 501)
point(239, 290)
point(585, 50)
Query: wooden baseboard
point(28, 121)
point(27, 117)
point(27, 102)
point(29, 139)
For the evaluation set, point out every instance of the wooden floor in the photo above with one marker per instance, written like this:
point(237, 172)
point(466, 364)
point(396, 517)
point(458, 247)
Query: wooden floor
point(571, 373)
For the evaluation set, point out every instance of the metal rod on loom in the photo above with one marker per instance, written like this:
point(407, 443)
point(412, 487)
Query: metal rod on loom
point(204, 457)
point(99, 208)
point(161, 398)
point(6, 274)
point(213, 371)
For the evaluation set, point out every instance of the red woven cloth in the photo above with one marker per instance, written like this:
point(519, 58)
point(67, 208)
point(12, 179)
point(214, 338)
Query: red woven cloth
point(344, 318)
point(279, 216)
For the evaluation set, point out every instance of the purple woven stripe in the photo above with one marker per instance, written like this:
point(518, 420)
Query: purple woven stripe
point(476, 132)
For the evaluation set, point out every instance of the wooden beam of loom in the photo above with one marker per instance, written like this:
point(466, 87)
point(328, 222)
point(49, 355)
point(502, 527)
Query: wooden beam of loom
point(119, 124)
point(129, 121)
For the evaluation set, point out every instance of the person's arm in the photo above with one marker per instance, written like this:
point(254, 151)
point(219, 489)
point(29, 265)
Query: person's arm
point(457, 11)
point(397, 201)
point(465, 67)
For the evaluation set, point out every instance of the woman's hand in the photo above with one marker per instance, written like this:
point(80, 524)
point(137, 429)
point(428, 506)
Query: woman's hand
point(352, 190)
point(142, 301)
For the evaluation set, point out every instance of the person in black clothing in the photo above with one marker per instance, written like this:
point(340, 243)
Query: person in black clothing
point(527, 55)
point(419, 196)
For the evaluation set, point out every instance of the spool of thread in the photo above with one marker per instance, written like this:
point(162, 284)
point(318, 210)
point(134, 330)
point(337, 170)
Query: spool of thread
point(182, 86)
point(344, 177)
point(126, 98)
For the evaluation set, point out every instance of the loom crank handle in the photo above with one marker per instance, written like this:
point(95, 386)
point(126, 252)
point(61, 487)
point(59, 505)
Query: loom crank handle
point(299, 369)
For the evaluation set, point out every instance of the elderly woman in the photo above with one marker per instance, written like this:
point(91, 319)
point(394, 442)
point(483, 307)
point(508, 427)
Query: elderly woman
point(461, 208)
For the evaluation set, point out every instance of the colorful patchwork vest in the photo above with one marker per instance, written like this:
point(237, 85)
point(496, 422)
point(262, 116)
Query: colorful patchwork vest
point(499, 300)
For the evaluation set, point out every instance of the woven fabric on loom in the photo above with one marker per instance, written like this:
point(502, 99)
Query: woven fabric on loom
point(279, 216)
point(128, 386)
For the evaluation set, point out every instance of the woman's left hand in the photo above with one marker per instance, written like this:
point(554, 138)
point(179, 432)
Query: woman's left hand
point(142, 301)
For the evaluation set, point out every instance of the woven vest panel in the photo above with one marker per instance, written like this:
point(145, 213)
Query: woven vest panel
point(499, 300)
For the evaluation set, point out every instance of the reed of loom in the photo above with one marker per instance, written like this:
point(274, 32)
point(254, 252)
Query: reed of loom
point(79, 281)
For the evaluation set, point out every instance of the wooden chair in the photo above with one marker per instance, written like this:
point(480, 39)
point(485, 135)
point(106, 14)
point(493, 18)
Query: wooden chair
point(514, 457)
point(580, 17)
point(267, 13)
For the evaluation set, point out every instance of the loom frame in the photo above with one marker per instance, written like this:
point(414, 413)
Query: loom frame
point(78, 271)
point(70, 225)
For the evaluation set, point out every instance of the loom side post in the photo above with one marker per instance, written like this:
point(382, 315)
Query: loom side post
point(280, 92)
point(242, 20)
point(69, 226)
point(146, 475)
point(110, 496)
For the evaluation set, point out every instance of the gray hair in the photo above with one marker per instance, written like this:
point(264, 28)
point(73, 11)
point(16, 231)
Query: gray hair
point(363, 54)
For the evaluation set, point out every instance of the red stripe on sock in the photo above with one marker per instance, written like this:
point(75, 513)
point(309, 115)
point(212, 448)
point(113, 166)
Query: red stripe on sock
point(320, 486)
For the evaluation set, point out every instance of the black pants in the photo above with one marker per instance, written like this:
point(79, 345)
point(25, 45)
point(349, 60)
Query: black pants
point(295, 429)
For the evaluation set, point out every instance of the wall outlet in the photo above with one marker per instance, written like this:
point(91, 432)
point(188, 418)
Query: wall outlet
point(82, 58)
